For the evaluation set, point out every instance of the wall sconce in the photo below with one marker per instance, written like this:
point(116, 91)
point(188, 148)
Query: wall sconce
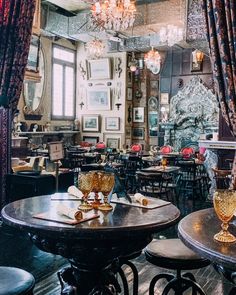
point(133, 64)
point(118, 105)
point(197, 56)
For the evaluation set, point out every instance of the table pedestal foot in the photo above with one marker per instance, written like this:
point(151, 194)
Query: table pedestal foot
point(76, 280)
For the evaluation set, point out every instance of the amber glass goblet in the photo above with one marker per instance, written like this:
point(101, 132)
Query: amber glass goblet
point(97, 182)
point(85, 182)
point(108, 181)
point(164, 163)
point(225, 204)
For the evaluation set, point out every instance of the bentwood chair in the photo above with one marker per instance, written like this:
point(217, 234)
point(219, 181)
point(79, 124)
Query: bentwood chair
point(153, 185)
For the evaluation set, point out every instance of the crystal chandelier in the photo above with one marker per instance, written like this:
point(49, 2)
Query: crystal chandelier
point(153, 61)
point(171, 35)
point(114, 15)
point(95, 48)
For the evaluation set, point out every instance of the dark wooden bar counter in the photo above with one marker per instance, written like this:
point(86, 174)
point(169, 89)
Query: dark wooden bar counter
point(92, 247)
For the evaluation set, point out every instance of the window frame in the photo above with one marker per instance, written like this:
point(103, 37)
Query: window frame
point(63, 63)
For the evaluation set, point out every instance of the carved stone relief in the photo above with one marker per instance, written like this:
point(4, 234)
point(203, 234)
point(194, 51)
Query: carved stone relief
point(193, 111)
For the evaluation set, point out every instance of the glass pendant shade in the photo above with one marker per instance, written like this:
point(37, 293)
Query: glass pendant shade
point(95, 48)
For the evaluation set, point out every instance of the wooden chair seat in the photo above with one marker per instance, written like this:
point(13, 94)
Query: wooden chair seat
point(15, 281)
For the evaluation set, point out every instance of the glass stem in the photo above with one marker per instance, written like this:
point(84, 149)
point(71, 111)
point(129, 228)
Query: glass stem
point(225, 226)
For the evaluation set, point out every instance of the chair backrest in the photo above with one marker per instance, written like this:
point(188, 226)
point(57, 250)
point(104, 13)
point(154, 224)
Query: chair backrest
point(187, 152)
point(166, 149)
point(137, 147)
point(152, 185)
point(188, 169)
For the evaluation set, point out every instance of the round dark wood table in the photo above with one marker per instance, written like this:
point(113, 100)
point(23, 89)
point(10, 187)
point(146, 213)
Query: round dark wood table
point(94, 247)
point(197, 230)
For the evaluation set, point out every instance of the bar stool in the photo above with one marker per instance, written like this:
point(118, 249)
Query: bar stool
point(15, 281)
point(173, 254)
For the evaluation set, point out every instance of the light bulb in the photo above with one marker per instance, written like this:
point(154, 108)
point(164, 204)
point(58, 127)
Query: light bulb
point(133, 68)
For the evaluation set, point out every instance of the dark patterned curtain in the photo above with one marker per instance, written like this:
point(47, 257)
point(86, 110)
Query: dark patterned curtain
point(16, 17)
point(220, 16)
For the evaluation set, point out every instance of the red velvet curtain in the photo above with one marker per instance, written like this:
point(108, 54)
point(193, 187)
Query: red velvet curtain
point(220, 16)
point(16, 17)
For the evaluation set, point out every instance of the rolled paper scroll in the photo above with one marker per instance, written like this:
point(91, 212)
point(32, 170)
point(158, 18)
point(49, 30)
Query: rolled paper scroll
point(74, 191)
point(69, 212)
point(141, 199)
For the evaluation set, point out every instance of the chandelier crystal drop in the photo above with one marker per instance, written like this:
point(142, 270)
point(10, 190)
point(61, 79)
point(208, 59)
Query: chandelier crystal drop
point(153, 61)
point(171, 35)
point(114, 15)
point(95, 48)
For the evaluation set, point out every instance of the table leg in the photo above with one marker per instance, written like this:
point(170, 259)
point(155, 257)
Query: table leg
point(76, 280)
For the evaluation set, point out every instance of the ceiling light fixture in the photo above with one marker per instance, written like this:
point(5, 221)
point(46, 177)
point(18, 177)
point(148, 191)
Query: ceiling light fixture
point(114, 15)
point(171, 35)
point(95, 48)
point(153, 61)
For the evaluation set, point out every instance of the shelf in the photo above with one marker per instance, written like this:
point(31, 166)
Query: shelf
point(48, 132)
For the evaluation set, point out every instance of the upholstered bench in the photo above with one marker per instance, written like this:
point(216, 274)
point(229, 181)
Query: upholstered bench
point(15, 281)
point(173, 254)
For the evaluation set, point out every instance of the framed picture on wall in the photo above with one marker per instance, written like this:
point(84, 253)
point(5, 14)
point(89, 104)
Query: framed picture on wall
point(113, 143)
point(99, 69)
point(138, 133)
point(90, 123)
point(99, 98)
point(164, 99)
point(112, 123)
point(138, 114)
